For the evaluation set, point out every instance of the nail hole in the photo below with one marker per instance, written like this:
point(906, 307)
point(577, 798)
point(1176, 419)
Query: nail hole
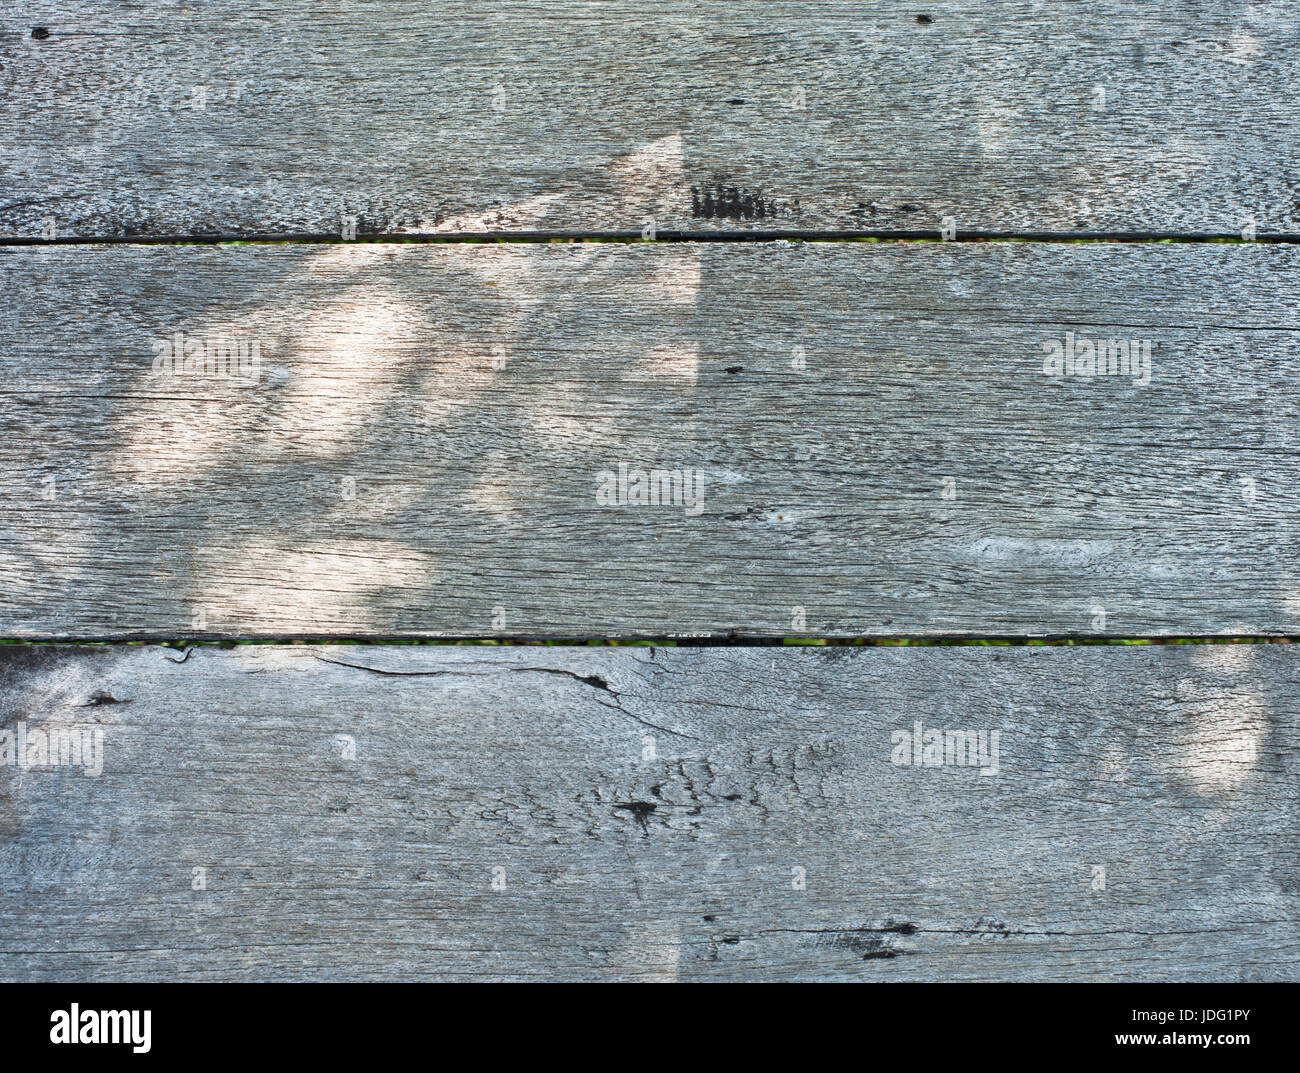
point(40, 33)
point(924, 20)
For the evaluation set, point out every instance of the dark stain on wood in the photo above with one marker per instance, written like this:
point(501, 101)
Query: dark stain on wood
point(640, 810)
point(867, 942)
point(723, 202)
point(99, 698)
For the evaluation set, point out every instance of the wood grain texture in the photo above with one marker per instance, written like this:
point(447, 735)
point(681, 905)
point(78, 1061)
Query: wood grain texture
point(1172, 768)
point(275, 118)
point(420, 452)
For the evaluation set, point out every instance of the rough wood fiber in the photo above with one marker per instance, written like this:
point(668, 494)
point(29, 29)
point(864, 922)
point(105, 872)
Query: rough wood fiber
point(350, 804)
point(384, 477)
point(243, 118)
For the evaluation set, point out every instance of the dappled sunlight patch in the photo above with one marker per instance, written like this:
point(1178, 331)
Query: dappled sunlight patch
point(1224, 659)
point(522, 214)
point(1243, 48)
point(203, 388)
point(345, 362)
point(331, 585)
point(319, 382)
point(679, 362)
point(675, 280)
point(649, 952)
point(350, 257)
point(649, 180)
point(1291, 605)
point(65, 693)
point(1225, 732)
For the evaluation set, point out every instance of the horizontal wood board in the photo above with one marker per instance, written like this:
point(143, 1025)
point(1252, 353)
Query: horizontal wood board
point(423, 445)
point(651, 813)
point(245, 119)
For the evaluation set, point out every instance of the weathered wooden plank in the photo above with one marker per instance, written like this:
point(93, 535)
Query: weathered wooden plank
point(420, 449)
point(648, 809)
point(252, 118)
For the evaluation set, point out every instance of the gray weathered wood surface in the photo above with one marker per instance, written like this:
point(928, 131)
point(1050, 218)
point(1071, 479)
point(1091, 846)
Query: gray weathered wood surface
point(244, 118)
point(420, 452)
point(349, 805)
